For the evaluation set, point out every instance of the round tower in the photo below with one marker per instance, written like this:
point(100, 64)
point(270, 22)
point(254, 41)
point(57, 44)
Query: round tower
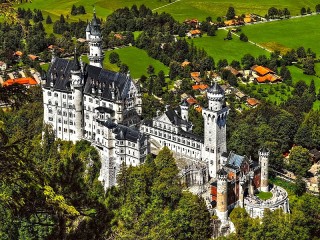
point(222, 195)
point(264, 164)
point(184, 106)
point(215, 118)
point(77, 86)
point(94, 38)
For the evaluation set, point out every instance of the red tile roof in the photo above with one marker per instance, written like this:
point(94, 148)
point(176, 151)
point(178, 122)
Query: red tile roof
point(252, 102)
point(268, 78)
point(262, 70)
point(191, 101)
point(200, 87)
point(23, 81)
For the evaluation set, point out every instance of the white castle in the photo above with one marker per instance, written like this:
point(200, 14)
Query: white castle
point(85, 101)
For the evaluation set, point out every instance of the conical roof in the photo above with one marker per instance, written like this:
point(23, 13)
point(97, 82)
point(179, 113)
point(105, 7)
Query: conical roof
point(184, 103)
point(75, 65)
point(88, 29)
point(222, 172)
point(215, 89)
point(264, 150)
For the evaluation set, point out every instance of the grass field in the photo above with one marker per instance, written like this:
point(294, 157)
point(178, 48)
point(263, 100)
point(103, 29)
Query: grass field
point(264, 195)
point(180, 10)
point(287, 34)
point(137, 60)
point(233, 49)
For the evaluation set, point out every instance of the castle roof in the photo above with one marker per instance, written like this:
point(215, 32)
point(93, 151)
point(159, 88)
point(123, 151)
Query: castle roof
point(76, 65)
point(235, 160)
point(222, 172)
point(184, 103)
point(96, 78)
point(215, 89)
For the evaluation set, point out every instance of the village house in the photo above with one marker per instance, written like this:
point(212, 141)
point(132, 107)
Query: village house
point(252, 102)
point(194, 33)
point(27, 82)
point(240, 95)
point(264, 75)
point(234, 71)
point(196, 77)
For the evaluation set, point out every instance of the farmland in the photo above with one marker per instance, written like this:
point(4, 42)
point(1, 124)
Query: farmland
point(233, 49)
point(287, 34)
point(180, 10)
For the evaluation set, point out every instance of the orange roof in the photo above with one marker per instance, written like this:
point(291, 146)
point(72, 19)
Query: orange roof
point(268, 77)
point(23, 81)
point(118, 36)
point(18, 53)
point(33, 57)
point(194, 32)
point(200, 86)
point(195, 74)
point(191, 100)
point(262, 70)
point(185, 63)
point(252, 102)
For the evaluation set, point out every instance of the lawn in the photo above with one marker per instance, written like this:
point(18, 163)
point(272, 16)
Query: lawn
point(137, 60)
point(297, 75)
point(233, 49)
point(287, 34)
point(264, 195)
point(180, 10)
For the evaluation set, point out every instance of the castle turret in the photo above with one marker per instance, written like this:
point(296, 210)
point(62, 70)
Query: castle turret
point(215, 117)
point(77, 87)
point(222, 195)
point(264, 164)
point(93, 35)
point(184, 107)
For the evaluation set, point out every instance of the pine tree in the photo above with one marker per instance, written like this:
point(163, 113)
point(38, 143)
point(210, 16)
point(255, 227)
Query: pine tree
point(48, 20)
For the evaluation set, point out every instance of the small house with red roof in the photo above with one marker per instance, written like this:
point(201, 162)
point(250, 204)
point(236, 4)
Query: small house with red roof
point(264, 75)
point(252, 102)
point(194, 33)
point(27, 82)
point(3, 66)
point(196, 77)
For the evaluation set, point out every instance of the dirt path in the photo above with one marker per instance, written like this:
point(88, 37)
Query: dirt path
point(165, 5)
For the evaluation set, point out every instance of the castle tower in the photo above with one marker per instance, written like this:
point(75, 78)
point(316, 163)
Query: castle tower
point(222, 195)
point(93, 36)
point(77, 87)
point(215, 117)
point(184, 106)
point(264, 164)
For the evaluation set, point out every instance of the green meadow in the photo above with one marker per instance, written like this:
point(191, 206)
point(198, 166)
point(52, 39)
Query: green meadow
point(233, 49)
point(287, 34)
point(180, 9)
point(137, 60)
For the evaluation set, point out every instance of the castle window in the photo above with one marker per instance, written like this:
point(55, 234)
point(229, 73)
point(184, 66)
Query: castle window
point(50, 119)
point(59, 128)
point(70, 97)
point(49, 93)
point(103, 104)
point(59, 112)
point(64, 105)
point(87, 116)
point(64, 96)
point(59, 120)
point(64, 113)
point(97, 101)
point(56, 94)
point(56, 103)
point(90, 100)
point(65, 122)
point(50, 110)
point(71, 122)
point(65, 130)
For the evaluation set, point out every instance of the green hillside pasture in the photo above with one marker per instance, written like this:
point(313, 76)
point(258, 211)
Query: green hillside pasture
point(137, 60)
point(287, 34)
point(180, 10)
point(186, 9)
point(297, 75)
point(103, 8)
point(233, 49)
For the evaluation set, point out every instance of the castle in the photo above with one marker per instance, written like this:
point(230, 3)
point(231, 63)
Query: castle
point(85, 101)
